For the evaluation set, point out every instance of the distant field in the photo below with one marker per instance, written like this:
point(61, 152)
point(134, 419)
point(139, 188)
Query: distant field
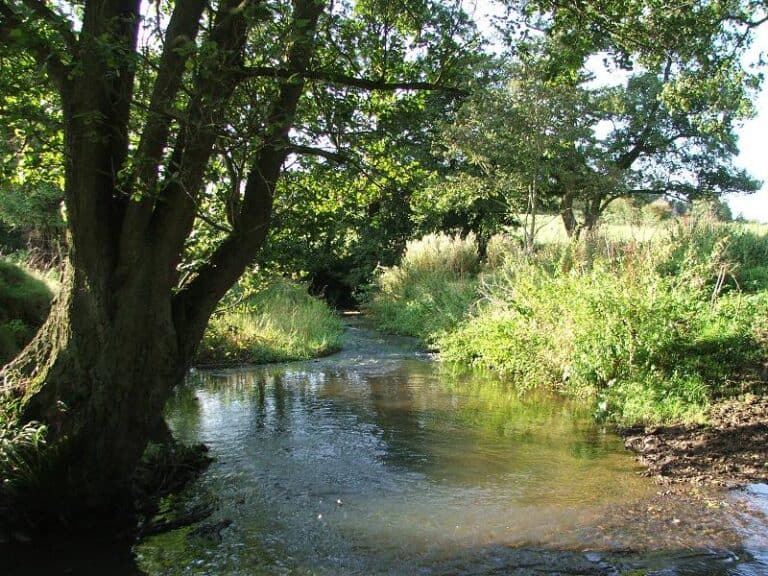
point(550, 229)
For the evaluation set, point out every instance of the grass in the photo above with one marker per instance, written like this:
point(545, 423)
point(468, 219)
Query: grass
point(652, 331)
point(430, 291)
point(550, 229)
point(25, 299)
point(281, 322)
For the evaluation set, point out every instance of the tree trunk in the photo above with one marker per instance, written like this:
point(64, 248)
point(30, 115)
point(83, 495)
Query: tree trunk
point(530, 229)
point(98, 379)
point(592, 211)
point(122, 332)
point(568, 215)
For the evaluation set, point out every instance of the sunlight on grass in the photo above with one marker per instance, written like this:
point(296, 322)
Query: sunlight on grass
point(280, 323)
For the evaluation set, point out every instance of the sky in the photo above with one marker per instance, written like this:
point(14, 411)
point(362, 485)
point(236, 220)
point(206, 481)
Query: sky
point(753, 135)
point(753, 146)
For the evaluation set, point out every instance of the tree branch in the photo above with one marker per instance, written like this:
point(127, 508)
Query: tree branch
point(625, 160)
point(97, 109)
point(175, 209)
point(749, 24)
point(194, 304)
point(213, 224)
point(337, 157)
point(344, 80)
point(178, 47)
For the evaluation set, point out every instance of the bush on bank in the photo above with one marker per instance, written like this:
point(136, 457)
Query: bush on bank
point(430, 291)
point(280, 322)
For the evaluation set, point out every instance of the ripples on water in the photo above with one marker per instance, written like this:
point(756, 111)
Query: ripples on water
point(377, 461)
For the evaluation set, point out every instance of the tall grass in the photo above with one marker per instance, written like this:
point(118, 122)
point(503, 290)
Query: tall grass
point(431, 290)
point(280, 322)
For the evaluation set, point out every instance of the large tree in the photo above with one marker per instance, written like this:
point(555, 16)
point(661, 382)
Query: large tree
point(518, 143)
point(673, 122)
point(148, 102)
point(658, 147)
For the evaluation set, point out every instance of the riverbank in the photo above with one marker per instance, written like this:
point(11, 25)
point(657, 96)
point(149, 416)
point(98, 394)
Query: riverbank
point(655, 333)
point(377, 460)
point(280, 322)
point(663, 336)
point(730, 450)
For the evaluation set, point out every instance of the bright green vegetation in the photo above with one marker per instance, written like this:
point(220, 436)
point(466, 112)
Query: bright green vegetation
point(432, 288)
point(24, 303)
point(653, 331)
point(279, 323)
point(25, 300)
point(20, 457)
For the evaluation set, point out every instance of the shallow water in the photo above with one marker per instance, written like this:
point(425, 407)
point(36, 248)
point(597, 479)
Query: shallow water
point(379, 461)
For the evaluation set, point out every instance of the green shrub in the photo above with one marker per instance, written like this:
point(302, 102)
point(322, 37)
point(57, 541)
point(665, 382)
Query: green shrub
point(278, 323)
point(430, 291)
point(21, 464)
point(24, 304)
point(652, 330)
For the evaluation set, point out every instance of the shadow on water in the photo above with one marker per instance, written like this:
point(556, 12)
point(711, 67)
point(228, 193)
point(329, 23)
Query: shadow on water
point(376, 461)
point(71, 558)
point(203, 557)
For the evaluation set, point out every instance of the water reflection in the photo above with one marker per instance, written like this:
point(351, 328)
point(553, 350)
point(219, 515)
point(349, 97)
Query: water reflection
point(378, 462)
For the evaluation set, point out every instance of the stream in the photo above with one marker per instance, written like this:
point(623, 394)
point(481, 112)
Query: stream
point(378, 460)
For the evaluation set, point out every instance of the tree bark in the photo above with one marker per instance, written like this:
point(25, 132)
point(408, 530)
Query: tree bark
point(568, 215)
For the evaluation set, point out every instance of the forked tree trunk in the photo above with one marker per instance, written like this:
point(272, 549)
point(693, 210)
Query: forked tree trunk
point(123, 330)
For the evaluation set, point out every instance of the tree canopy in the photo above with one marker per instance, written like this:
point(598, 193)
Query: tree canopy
point(178, 118)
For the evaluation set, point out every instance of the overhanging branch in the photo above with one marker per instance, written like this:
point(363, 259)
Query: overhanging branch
point(182, 31)
point(337, 157)
point(197, 300)
point(345, 80)
point(747, 22)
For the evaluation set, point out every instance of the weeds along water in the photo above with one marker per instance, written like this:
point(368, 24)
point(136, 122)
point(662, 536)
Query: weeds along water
point(653, 331)
point(277, 323)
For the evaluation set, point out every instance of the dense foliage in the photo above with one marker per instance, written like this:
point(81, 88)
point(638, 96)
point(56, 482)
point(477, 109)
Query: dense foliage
point(430, 290)
point(160, 143)
point(279, 322)
point(564, 145)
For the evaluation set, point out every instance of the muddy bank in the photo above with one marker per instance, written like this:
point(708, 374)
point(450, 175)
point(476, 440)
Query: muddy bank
point(730, 451)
